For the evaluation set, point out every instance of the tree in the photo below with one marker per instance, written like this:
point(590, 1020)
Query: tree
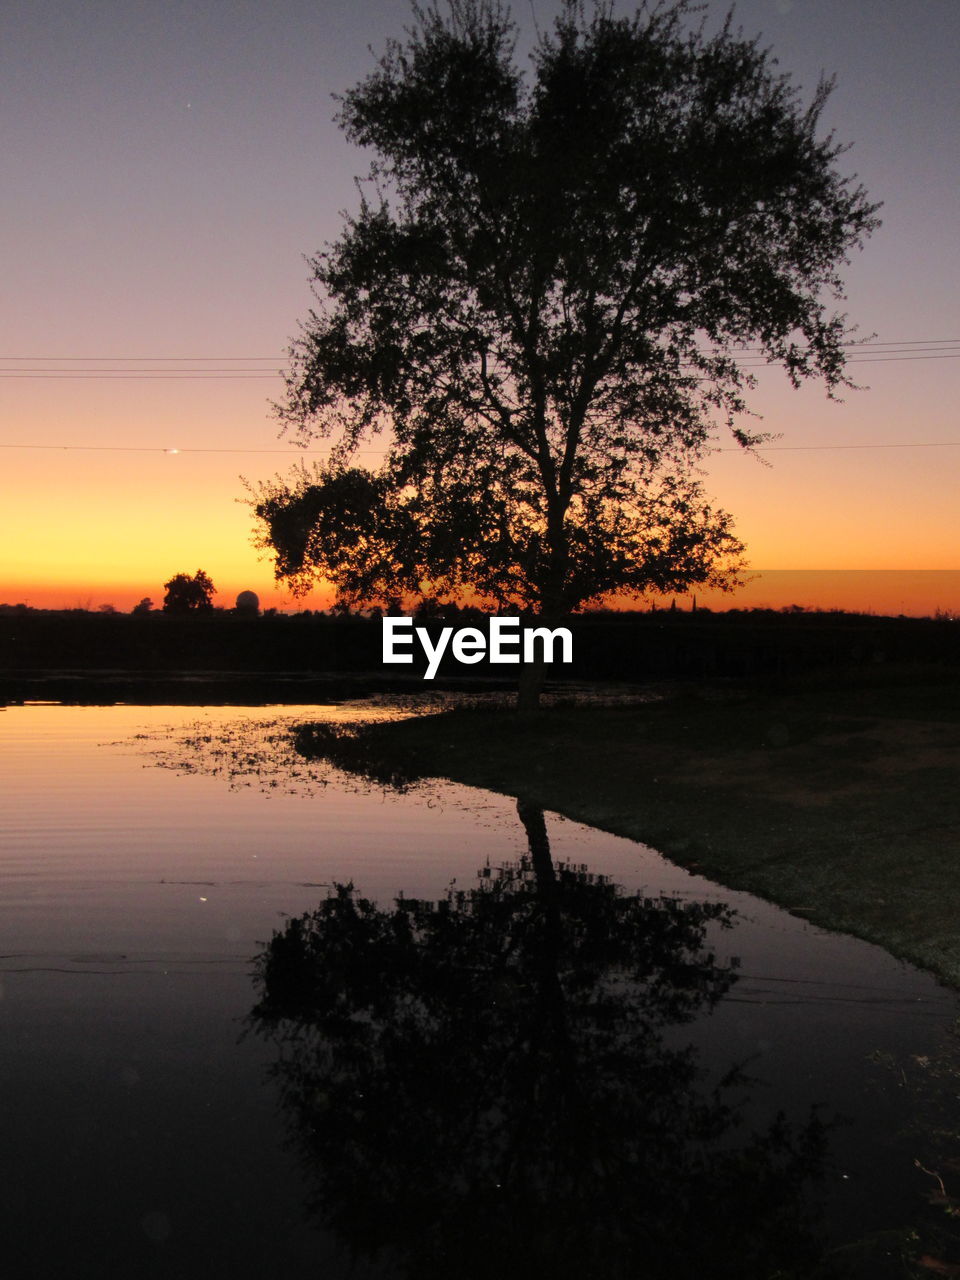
point(492, 1085)
point(144, 606)
point(188, 595)
point(546, 299)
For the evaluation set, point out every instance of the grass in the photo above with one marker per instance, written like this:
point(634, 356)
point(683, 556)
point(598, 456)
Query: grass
point(836, 798)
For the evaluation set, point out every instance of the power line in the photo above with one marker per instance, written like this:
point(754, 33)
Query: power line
point(884, 359)
point(178, 368)
point(905, 444)
point(170, 369)
point(304, 453)
point(164, 375)
point(240, 375)
point(898, 342)
point(873, 343)
point(144, 359)
point(147, 448)
point(112, 375)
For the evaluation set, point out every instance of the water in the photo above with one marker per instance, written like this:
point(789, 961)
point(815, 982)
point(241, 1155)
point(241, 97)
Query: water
point(144, 868)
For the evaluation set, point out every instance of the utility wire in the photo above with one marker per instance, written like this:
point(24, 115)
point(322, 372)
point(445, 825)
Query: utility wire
point(251, 367)
point(281, 355)
point(198, 375)
point(886, 351)
point(112, 375)
point(148, 448)
point(873, 342)
point(304, 453)
point(905, 444)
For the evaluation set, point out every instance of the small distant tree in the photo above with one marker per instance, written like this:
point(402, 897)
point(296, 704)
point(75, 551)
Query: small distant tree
point(106, 608)
point(188, 595)
point(145, 605)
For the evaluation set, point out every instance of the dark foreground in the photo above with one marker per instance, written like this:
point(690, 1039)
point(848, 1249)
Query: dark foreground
point(513, 1076)
point(37, 647)
point(836, 797)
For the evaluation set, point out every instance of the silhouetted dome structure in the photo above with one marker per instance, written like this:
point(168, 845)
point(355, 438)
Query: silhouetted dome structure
point(248, 602)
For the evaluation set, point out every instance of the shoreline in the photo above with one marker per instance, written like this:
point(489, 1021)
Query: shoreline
point(838, 802)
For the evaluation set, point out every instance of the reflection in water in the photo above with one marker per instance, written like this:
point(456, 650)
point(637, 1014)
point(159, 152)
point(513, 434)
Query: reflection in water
point(486, 1086)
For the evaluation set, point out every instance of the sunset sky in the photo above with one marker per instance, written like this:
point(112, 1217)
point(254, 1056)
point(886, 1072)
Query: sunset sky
point(168, 165)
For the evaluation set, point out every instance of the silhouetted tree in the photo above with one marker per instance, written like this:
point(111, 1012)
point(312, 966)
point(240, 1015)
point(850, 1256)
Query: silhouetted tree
point(144, 606)
point(486, 1086)
point(545, 301)
point(186, 594)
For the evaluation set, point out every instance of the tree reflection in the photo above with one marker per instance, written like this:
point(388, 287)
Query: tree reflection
point(490, 1086)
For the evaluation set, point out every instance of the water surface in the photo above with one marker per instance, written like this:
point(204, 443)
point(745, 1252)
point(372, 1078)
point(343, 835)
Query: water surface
point(140, 878)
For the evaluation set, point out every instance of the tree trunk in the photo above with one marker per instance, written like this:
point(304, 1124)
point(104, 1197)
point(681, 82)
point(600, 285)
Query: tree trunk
point(533, 674)
point(538, 842)
point(530, 685)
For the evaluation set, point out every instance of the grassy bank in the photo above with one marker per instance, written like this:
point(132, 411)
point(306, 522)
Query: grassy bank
point(838, 799)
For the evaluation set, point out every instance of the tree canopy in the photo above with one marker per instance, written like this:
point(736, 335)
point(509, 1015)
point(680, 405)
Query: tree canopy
point(492, 1085)
point(543, 303)
point(186, 594)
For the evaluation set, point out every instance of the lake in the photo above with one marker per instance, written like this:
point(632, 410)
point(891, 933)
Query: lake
point(491, 1067)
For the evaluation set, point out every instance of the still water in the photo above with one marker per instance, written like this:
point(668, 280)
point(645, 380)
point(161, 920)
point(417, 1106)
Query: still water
point(175, 1107)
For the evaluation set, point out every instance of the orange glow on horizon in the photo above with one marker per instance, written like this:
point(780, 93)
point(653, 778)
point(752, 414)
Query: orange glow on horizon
point(85, 526)
point(159, 276)
point(82, 528)
point(916, 593)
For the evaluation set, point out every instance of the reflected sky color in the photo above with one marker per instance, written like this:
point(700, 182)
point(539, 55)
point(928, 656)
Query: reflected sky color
point(167, 168)
point(135, 898)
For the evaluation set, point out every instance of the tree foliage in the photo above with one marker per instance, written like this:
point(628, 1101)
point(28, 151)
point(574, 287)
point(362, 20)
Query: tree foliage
point(186, 594)
point(493, 1085)
point(543, 304)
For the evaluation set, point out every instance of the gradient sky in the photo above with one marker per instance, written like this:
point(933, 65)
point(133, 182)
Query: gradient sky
point(168, 165)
